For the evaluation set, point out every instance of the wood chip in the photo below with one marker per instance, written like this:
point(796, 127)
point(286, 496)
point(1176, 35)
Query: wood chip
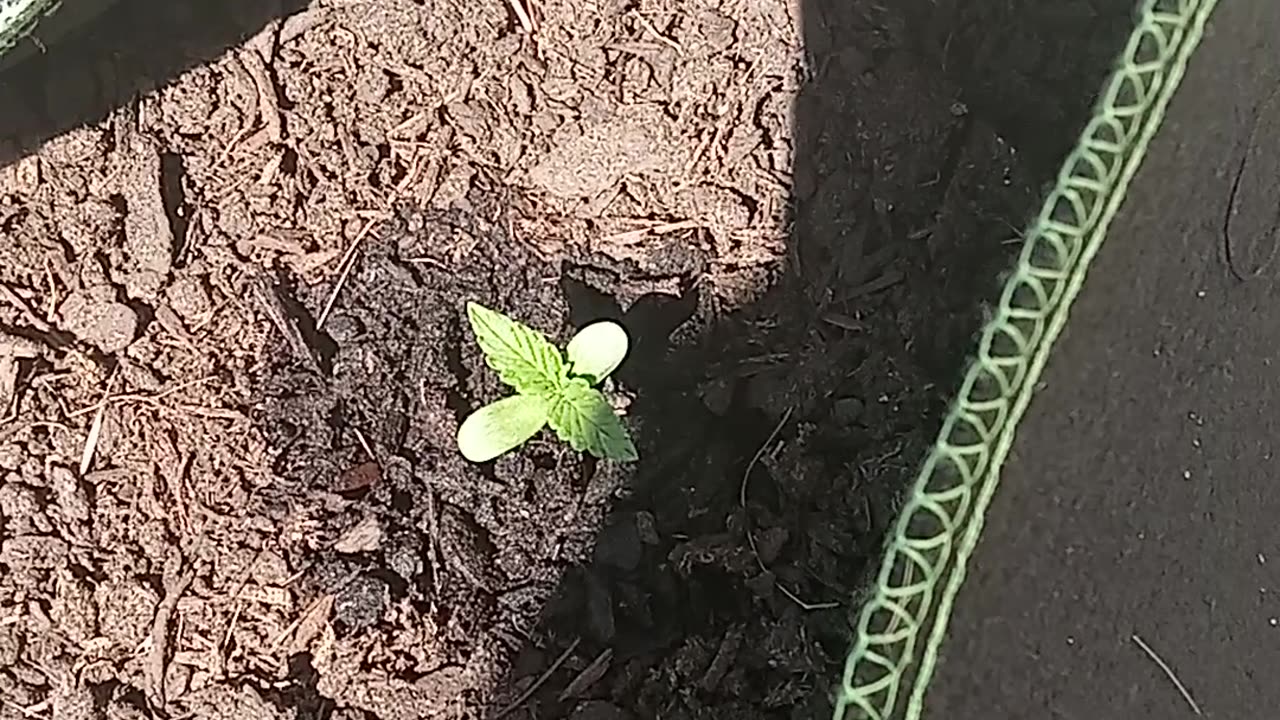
point(311, 624)
point(155, 666)
point(267, 595)
point(364, 536)
point(725, 655)
point(268, 101)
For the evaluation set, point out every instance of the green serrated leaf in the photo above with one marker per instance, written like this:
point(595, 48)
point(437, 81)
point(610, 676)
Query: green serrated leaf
point(582, 417)
point(523, 357)
point(501, 426)
point(597, 350)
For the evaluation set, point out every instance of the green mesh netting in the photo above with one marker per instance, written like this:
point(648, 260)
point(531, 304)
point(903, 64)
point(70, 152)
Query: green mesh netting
point(941, 520)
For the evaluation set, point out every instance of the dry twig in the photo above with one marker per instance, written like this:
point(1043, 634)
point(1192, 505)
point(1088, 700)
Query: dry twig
point(155, 667)
point(542, 680)
point(140, 397)
point(526, 21)
point(751, 540)
point(348, 262)
point(19, 305)
point(649, 28)
point(95, 430)
point(631, 236)
point(1168, 671)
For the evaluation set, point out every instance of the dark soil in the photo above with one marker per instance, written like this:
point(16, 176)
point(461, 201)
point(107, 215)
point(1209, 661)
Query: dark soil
point(222, 496)
point(1139, 499)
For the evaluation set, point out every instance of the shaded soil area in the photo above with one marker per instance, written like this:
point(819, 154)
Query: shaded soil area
point(233, 355)
point(1135, 524)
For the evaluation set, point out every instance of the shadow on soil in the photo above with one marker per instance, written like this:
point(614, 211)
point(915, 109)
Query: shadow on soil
point(777, 439)
point(110, 58)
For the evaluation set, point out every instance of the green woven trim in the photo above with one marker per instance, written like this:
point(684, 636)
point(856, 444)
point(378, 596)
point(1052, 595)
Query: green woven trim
point(19, 17)
point(942, 518)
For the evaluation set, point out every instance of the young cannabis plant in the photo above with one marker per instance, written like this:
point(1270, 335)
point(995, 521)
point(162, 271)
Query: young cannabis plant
point(550, 388)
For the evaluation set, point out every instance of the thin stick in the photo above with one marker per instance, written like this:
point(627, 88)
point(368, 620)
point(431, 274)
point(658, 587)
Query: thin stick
point(746, 476)
point(348, 262)
point(231, 627)
point(657, 35)
point(364, 444)
point(31, 711)
point(1168, 671)
point(751, 538)
point(526, 22)
point(284, 634)
point(633, 235)
point(140, 397)
point(91, 442)
point(542, 680)
point(95, 429)
point(19, 305)
point(155, 663)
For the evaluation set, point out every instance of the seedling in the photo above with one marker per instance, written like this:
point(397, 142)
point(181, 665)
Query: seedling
point(550, 388)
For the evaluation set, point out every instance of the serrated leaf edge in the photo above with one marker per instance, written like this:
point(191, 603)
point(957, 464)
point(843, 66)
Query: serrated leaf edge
point(535, 355)
point(627, 452)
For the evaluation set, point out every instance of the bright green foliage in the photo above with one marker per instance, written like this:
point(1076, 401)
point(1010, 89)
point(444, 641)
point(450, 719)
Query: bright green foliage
point(593, 352)
point(523, 357)
point(548, 389)
point(501, 426)
point(582, 417)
